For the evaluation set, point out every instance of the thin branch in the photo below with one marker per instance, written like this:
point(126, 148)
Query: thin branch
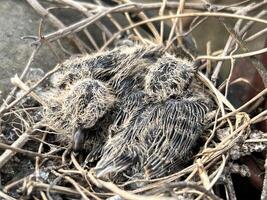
point(26, 152)
point(5, 196)
point(227, 15)
point(20, 142)
point(169, 5)
point(15, 102)
point(230, 40)
point(235, 56)
point(25, 71)
point(56, 22)
point(83, 23)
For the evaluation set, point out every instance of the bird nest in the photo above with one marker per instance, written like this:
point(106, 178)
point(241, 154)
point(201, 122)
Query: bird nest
point(61, 123)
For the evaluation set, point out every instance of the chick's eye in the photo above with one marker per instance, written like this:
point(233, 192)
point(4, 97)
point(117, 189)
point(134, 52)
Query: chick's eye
point(62, 86)
point(174, 85)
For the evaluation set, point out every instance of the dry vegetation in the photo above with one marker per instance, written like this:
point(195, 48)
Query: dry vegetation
point(234, 142)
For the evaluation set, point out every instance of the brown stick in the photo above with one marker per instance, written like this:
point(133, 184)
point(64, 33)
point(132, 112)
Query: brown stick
point(264, 188)
point(25, 71)
point(5, 196)
point(15, 102)
point(230, 40)
point(137, 7)
point(55, 22)
point(25, 152)
point(20, 142)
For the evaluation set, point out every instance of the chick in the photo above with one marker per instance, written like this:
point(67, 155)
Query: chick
point(156, 141)
point(134, 107)
point(79, 109)
point(121, 70)
point(168, 77)
point(158, 128)
point(122, 62)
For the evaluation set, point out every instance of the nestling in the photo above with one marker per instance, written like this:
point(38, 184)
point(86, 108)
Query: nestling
point(139, 105)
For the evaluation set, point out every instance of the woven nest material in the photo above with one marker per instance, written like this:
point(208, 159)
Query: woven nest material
point(135, 115)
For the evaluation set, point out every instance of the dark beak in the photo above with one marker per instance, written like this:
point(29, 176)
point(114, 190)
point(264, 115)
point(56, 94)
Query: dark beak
point(78, 140)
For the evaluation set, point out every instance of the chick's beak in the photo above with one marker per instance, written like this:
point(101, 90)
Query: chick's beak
point(78, 140)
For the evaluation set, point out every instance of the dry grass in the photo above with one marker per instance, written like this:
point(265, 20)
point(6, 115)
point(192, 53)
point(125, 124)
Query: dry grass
point(226, 137)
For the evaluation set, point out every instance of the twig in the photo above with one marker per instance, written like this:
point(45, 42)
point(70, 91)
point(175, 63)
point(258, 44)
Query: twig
point(161, 13)
point(143, 17)
point(229, 42)
point(74, 183)
point(25, 71)
point(7, 155)
point(54, 188)
point(56, 22)
point(208, 68)
point(261, 94)
point(235, 56)
point(203, 174)
point(176, 20)
point(83, 23)
point(15, 102)
point(230, 188)
point(37, 158)
point(79, 25)
point(227, 15)
point(256, 35)
point(137, 33)
point(190, 185)
point(264, 187)
point(169, 5)
point(14, 183)
point(18, 83)
point(127, 195)
point(84, 10)
point(26, 152)
point(231, 71)
point(5, 196)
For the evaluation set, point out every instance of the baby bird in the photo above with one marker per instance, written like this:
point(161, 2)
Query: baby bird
point(169, 77)
point(79, 109)
point(113, 67)
point(133, 107)
point(158, 126)
point(88, 88)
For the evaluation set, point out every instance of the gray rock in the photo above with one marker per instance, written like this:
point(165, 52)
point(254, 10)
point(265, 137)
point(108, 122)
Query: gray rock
point(18, 19)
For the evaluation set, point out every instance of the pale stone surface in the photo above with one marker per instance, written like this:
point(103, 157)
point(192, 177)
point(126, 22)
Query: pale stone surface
point(18, 19)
